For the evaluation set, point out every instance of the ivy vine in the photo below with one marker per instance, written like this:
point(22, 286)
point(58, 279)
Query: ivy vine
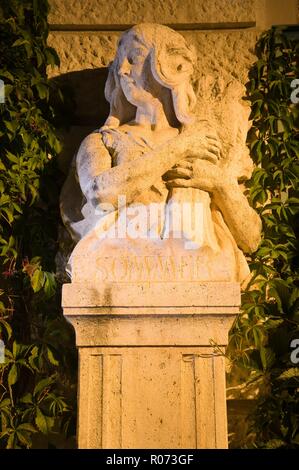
point(37, 379)
point(261, 340)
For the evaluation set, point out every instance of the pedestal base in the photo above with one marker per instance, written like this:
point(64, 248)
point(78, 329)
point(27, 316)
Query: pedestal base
point(149, 375)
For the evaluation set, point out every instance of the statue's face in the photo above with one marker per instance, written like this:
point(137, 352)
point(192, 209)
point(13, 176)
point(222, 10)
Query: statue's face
point(132, 70)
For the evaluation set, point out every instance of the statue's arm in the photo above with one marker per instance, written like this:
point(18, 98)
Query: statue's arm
point(102, 183)
point(132, 178)
point(92, 159)
point(242, 220)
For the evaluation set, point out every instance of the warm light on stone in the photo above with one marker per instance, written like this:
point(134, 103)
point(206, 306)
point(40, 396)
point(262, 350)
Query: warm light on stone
point(149, 376)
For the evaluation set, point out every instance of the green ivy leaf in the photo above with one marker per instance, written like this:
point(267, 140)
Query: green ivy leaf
point(267, 357)
point(27, 427)
point(275, 444)
point(43, 422)
point(37, 280)
point(289, 374)
point(27, 398)
point(50, 284)
point(20, 42)
point(4, 325)
point(43, 91)
point(13, 375)
point(42, 384)
point(52, 358)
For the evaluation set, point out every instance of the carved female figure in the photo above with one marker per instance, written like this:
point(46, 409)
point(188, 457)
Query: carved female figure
point(153, 150)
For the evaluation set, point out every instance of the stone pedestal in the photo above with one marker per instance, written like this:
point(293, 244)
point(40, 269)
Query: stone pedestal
point(149, 376)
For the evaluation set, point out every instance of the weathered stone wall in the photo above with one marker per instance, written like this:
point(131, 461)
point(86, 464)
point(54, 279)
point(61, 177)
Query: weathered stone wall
point(137, 11)
point(85, 34)
point(223, 32)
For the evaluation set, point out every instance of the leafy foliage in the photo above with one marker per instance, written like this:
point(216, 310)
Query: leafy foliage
point(260, 340)
point(37, 379)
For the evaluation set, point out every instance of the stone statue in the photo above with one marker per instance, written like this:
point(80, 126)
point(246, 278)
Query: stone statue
point(159, 181)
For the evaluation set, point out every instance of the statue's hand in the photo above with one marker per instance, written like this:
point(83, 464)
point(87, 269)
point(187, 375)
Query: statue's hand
point(203, 145)
point(198, 174)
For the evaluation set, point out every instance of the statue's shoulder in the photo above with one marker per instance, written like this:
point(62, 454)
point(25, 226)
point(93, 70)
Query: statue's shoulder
point(93, 141)
point(92, 146)
point(93, 153)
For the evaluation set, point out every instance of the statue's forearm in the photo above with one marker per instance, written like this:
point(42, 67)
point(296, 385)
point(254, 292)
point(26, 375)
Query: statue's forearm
point(132, 178)
point(243, 222)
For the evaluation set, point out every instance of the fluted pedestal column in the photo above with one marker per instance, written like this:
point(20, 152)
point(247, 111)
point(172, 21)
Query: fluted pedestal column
point(149, 376)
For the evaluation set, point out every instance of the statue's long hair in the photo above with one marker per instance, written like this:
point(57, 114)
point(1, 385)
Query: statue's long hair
point(171, 62)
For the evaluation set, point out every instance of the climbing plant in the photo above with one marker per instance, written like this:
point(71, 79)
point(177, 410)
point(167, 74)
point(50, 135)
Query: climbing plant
point(260, 345)
point(37, 379)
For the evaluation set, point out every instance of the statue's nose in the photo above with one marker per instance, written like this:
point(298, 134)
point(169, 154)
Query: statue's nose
point(124, 68)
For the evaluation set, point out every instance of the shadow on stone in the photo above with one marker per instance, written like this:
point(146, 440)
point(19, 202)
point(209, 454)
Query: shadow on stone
point(88, 90)
point(88, 109)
